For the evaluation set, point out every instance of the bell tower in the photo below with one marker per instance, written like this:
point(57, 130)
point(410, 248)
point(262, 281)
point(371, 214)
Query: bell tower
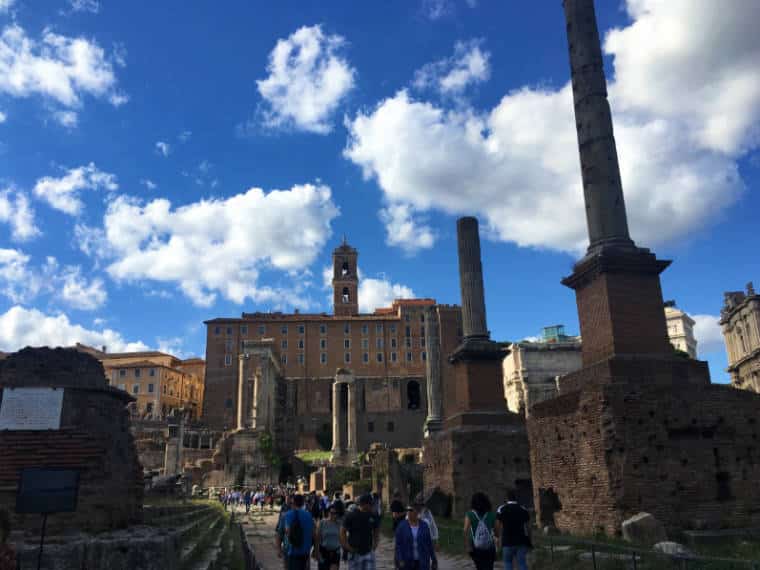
point(345, 280)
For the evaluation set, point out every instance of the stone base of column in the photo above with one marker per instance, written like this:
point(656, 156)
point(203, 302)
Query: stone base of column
point(341, 457)
point(432, 425)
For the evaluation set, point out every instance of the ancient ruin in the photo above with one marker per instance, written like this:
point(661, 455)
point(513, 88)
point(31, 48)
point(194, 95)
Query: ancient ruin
point(637, 428)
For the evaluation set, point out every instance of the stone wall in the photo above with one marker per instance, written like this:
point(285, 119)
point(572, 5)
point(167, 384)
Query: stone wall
point(691, 457)
point(94, 437)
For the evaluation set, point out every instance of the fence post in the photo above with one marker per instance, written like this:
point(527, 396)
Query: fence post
point(593, 555)
point(634, 560)
point(551, 547)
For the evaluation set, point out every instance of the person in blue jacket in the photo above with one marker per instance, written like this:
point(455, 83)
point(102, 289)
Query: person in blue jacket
point(414, 543)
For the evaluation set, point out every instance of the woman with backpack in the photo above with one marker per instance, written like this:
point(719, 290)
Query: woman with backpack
point(327, 541)
point(479, 532)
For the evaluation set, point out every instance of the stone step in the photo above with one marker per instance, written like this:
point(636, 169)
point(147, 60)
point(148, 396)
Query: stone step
point(196, 527)
point(202, 542)
point(181, 517)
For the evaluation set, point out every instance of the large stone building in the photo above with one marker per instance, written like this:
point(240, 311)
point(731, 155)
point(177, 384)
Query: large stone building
point(374, 365)
point(680, 329)
point(160, 383)
point(740, 321)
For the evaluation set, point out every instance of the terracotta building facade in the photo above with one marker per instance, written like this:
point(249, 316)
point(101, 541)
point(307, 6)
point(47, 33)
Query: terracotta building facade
point(740, 321)
point(348, 377)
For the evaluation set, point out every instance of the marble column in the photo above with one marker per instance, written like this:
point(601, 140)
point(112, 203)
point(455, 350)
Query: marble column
point(471, 280)
point(256, 421)
point(352, 433)
point(433, 422)
point(602, 188)
point(240, 391)
point(337, 448)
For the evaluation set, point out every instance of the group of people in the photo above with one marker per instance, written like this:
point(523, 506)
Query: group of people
point(263, 496)
point(331, 530)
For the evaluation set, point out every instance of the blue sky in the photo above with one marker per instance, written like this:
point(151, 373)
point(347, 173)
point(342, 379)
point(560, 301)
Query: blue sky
point(164, 163)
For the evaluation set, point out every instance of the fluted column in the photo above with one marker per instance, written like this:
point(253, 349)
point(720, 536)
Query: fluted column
point(471, 279)
point(352, 432)
point(433, 372)
point(337, 448)
point(602, 188)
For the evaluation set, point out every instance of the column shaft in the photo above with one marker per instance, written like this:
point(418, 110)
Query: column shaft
point(240, 391)
point(471, 279)
point(337, 447)
point(352, 419)
point(433, 371)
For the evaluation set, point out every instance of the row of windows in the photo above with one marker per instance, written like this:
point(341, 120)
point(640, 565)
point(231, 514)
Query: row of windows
point(379, 343)
point(379, 356)
point(151, 390)
point(137, 372)
point(262, 330)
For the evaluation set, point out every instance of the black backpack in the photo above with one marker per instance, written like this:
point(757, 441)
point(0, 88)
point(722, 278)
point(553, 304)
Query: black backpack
point(295, 538)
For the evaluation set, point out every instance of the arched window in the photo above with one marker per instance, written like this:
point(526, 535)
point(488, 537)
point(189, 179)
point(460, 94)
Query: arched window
point(344, 269)
point(346, 295)
point(413, 395)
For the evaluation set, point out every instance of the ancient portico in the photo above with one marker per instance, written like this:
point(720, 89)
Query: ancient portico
point(344, 448)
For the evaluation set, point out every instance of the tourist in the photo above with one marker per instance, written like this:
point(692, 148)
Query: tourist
point(512, 522)
point(397, 510)
point(280, 538)
point(247, 499)
point(478, 532)
point(299, 530)
point(327, 542)
point(427, 516)
point(350, 505)
point(7, 553)
point(414, 543)
point(377, 504)
point(360, 535)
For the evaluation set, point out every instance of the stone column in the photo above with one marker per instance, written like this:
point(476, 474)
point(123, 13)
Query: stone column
point(433, 422)
point(255, 408)
point(239, 423)
point(337, 448)
point(352, 433)
point(471, 280)
point(602, 188)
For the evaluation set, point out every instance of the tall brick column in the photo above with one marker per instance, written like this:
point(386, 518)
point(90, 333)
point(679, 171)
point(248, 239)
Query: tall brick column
point(471, 279)
point(434, 418)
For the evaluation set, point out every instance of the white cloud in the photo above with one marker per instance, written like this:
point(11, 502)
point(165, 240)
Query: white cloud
point(5, 5)
point(58, 68)
point(79, 293)
point(163, 148)
point(235, 238)
point(3, 117)
point(148, 183)
point(307, 81)
point(708, 334)
point(516, 165)
point(91, 6)
point(16, 211)
point(451, 76)
point(18, 282)
point(63, 193)
point(403, 231)
point(66, 118)
point(184, 136)
point(376, 293)
point(437, 9)
point(20, 327)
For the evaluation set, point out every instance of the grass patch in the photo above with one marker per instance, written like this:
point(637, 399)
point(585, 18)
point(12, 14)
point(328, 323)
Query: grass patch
point(314, 455)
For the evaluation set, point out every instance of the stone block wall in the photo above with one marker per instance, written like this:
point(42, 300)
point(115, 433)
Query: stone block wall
point(688, 455)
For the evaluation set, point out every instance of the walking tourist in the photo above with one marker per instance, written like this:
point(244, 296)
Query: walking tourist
point(478, 532)
point(327, 542)
point(427, 516)
point(397, 510)
point(247, 499)
point(414, 543)
point(360, 535)
point(512, 521)
point(299, 529)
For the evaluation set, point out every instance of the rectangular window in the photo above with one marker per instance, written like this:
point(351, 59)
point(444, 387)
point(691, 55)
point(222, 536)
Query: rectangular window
point(244, 330)
point(379, 343)
point(300, 343)
point(152, 372)
point(229, 330)
point(423, 355)
point(217, 330)
point(422, 330)
point(301, 329)
point(300, 358)
point(407, 317)
point(284, 358)
point(408, 342)
point(322, 329)
point(136, 389)
point(284, 343)
point(346, 343)
point(391, 426)
point(262, 329)
point(122, 387)
point(370, 427)
point(365, 357)
point(379, 328)
point(228, 344)
point(323, 358)
point(347, 328)
point(365, 343)
point(150, 388)
point(347, 357)
point(284, 329)
point(408, 332)
point(365, 329)
point(379, 356)
point(137, 372)
point(409, 357)
point(323, 343)
point(394, 357)
point(422, 317)
point(228, 360)
point(394, 342)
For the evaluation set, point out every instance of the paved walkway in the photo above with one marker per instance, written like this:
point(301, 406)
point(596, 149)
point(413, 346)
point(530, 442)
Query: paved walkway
point(259, 528)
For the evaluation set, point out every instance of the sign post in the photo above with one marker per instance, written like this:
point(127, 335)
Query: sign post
point(46, 491)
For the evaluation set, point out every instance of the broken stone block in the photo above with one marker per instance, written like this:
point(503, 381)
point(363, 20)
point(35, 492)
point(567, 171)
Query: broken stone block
point(673, 549)
point(643, 528)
